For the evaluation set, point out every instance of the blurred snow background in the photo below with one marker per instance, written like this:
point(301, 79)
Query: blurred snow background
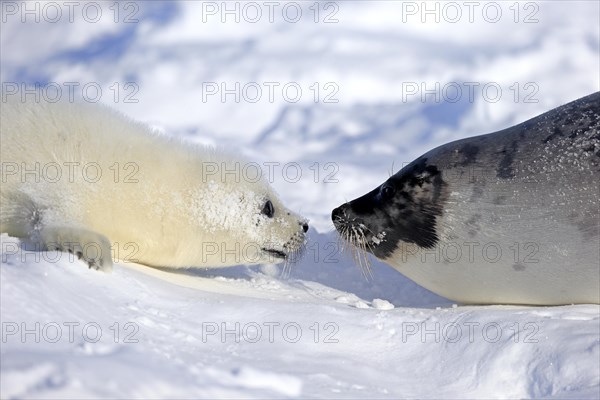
point(365, 71)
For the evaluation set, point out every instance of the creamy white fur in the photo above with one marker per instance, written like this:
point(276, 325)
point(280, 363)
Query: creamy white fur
point(158, 206)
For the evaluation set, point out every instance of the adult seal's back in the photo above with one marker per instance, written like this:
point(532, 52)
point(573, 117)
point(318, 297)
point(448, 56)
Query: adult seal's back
point(509, 217)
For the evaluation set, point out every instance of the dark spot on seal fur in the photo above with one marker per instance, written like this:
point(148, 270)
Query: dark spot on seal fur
point(505, 170)
point(469, 153)
point(518, 267)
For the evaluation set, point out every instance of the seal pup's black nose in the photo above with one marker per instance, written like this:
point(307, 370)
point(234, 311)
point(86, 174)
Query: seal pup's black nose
point(305, 227)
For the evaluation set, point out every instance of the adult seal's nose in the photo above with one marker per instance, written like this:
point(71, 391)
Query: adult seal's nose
point(336, 213)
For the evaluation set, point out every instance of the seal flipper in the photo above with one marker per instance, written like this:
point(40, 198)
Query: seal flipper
point(22, 217)
point(93, 247)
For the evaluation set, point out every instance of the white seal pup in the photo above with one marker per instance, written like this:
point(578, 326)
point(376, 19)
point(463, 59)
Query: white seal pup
point(510, 217)
point(85, 179)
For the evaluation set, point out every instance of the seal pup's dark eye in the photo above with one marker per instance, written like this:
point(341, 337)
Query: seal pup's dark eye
point(268, 209)
point(387, 192)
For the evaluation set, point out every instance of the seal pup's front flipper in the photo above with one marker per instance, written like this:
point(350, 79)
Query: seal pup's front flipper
point(93, 247)
point(27, 219)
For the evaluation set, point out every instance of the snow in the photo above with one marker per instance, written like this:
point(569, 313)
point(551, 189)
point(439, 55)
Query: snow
point(252, 334)
point(321, 330)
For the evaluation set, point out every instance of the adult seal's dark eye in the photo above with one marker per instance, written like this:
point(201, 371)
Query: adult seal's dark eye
point(268, 209)
point(387, 192)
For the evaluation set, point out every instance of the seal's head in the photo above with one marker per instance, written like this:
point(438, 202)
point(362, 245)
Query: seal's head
point(243, 221)
point(401, 210)
point(281, 233)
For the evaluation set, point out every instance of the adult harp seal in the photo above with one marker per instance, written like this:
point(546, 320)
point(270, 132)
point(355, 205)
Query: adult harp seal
point(508, 217)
